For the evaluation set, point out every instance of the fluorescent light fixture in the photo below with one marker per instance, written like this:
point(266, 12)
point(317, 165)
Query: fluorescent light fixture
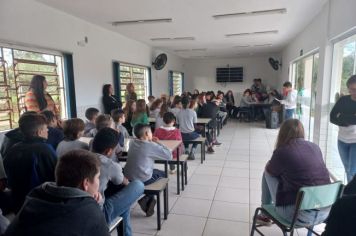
point(263, 45)
point(144, 21)
point(191, 50)
point(242, 46)
point(252, 33)
point(172, 39)
point(251, 13)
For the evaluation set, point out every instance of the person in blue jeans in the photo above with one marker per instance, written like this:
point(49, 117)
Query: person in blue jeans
point(143, 151)
point(117, 192)
point(289, 100)
point(343, 115)
point(187, 118)
point(295, 163)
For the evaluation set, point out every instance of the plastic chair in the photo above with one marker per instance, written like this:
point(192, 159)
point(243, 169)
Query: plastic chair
point(308, 198)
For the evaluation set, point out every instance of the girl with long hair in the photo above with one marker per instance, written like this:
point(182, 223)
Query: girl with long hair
point(129, 109)
point(110, 101)
point(140, 114)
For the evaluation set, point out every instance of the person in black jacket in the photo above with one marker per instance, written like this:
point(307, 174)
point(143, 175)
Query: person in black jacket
point(343, 114)
point(67, 207)
point(110, 101)
point(30, 162)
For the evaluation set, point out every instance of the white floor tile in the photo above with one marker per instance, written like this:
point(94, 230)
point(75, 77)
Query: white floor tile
point(192, 207)
point(232, 195)
point(209, 180)
point(230, 211)
point(208, 170)
point(233, 172)
point(231, 182)
point(216, 227)
point(178, 225)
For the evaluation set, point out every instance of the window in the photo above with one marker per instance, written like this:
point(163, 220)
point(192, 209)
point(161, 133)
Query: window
point(304, 78)
point(176, 83)
point(16, 70)
point(137, 75)
point(344, 65)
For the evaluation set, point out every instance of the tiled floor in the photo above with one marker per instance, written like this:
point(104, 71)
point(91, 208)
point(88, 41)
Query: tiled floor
point(222, 193)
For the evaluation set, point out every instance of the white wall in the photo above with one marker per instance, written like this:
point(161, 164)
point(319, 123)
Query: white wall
point(201, 73)
point(36, 25)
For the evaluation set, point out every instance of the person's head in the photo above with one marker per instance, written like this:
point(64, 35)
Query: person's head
point(247, 92)
point(209, 96)
point(73, 128)
point(220, 95)
point(130, 106)
point(351, 85)
point(287, 86)
point(151, 98)
point(193, 103)
point(177, 102)
point(118, 116)
point(38, 86)
point(143, 132)
point(185, 102)
point(107, 90)
point(163, 110)
point(78, 169)
point(103, 121)
point(169, 119)
point(130, 88)
point(290, 130)
point(50, 117)
point(202, 98)
point(91, 114)
point(140, 106)
point(105, 141)
point(156, 104)
point(196, 91)
point(229, 93)
point(33, 125)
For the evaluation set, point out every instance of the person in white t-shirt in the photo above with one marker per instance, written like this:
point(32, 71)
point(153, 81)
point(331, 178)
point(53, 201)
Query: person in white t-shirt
point(289, 100)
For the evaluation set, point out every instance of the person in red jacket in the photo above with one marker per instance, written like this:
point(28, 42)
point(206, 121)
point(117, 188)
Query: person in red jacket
point(169, 132)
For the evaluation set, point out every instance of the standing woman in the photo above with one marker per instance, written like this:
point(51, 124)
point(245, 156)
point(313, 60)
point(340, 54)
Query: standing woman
point(110, 101)
point(130, 92)
point(230, 102)
point(37, 99)
point(343, 114)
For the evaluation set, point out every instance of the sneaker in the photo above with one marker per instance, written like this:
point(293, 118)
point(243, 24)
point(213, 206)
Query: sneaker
point(172, 171)
point(191, 156)
point(210, 150)
point(263, 220)
point(151, 207)
point(143, 203)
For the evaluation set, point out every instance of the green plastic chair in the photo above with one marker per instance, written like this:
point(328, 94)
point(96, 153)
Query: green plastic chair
point(308, 198)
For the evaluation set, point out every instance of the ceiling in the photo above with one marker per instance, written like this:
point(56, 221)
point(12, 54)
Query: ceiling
point(193, 18)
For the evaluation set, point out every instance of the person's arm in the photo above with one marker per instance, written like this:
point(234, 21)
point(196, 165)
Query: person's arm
point(145, 119)
point(46, 164)
point(275, 166)
point(159, 151)
point(31, 103)
point(116, 174)
point(337, 116)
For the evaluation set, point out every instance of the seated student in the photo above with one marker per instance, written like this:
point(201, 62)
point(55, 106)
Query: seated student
point(12, 137)
point(169, 132)
point(295, 163)
point(209, 109)
point(129, 109)
point(187, 118)
point(91, 114)
point(6, 205)
point(55, 133)
point(73, 129)
point(31, 162)
point(155, 107)
point(68, 206)
point(151, 99)
point(118, 117)
point(140, 115)
point(176, 105)
point(159, 116)
point(245, 104)
point(143, 151)
point(117, 199)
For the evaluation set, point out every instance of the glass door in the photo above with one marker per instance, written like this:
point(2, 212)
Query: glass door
point(304, 77)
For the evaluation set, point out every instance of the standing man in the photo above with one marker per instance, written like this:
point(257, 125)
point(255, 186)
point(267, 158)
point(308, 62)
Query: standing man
point(289, 100)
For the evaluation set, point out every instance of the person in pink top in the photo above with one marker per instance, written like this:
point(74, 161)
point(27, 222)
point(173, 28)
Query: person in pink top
point(169, 132)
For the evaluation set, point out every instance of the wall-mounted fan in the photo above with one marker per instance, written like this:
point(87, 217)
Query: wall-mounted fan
point(274, 63)
point(160, 61)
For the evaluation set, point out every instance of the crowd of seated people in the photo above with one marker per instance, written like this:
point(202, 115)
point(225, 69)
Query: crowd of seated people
point(52, 172)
